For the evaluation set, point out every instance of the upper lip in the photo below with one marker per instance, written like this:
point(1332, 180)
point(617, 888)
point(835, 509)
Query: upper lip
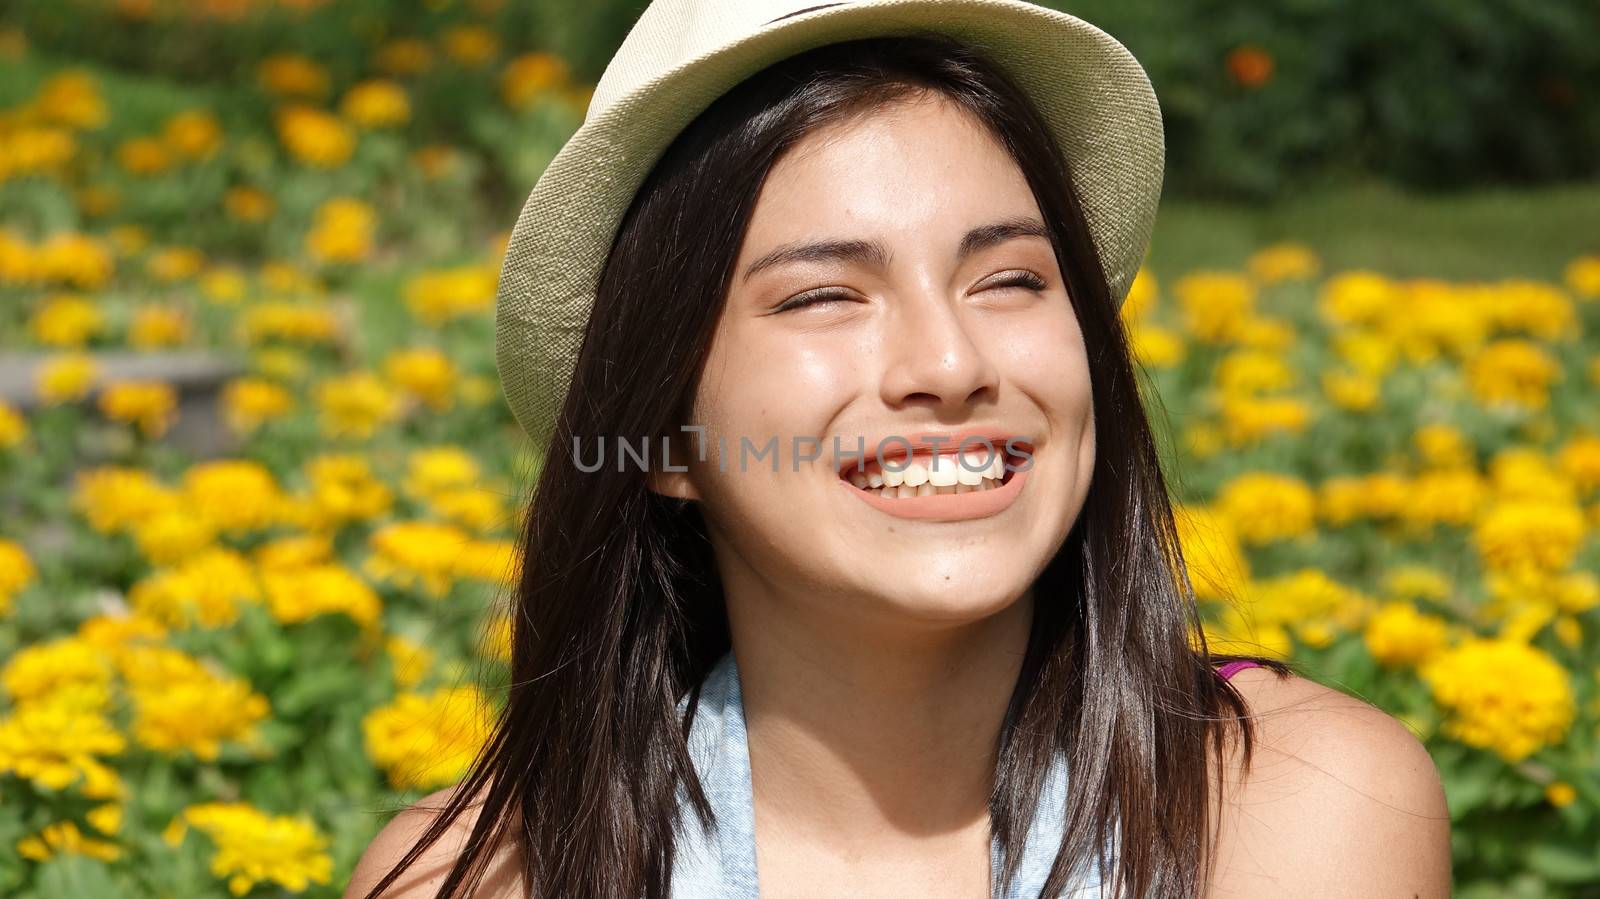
point(925, 442)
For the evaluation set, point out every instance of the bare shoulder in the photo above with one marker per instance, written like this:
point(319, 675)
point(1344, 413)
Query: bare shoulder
point(1340, 800)
point(423, 878)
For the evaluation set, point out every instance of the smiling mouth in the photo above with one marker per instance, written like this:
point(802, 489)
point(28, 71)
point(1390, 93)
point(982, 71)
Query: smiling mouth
point(940, 488)
point(925, 474)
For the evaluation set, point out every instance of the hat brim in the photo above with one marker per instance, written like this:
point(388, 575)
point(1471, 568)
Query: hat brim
point(1093, 93)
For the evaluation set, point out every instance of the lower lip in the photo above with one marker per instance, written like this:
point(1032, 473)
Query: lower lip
point(947, 506)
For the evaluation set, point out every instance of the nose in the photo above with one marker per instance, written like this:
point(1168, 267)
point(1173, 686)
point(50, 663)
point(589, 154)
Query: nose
point(933, 360)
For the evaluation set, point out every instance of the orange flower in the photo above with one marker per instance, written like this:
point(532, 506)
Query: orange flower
point(1249, 65)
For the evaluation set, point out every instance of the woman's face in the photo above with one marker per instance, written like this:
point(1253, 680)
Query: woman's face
point(936, 308)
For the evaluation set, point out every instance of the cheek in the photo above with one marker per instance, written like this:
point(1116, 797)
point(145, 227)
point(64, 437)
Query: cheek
point(763, 382)
point(1047, 360)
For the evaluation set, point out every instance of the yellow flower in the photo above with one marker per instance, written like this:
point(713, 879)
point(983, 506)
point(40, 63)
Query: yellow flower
point(195, 713)
point(67, 321)
point(1351, 391)
point(425, 373)
point(204, 590)
point(1529, 534)
point(1560, 794)
point(1215, 303)
point(248, 204)
point(1413, 582)
point(114, 499)
point(175, 264)
point(158, 326)
point(1399, 635)
point(377, 104)
point(418, 554)
point(1143, 295)
point(13, 427)
point(1579, 459)
point(72, 98)
point(57, 745)
point(193, 134)
point(292, 75)
point(1357, 298)
point(428, 740)
point(289, 322)
point(492, 561)
point(1216, 565)
point(1531, 307)
point(63, 668)
point(64, 379)
point(436, 297)
point(236, 495)
point(315, 137)
point(1442, 446)
point(1253, 371)
point(1583, 276)
point(471, 45)
point(151, 405)
point(301, 593)
point(64, 838)
point(285, 553)
point(173, 535)
point(531, 76)
point(1503, 695)
point(1265, 507)
point(254, 847)
point(37, 151)
point(436, 470)
point(1309, 603)
point(1248, 419)
point(223, 285)
point(16, 573)
point(249, 402)
point(1445, 496)
point(342, 231)
point(1512, 372)
point(143, 156)
point(355, 405)
point(1283, 262)
point(343, 489)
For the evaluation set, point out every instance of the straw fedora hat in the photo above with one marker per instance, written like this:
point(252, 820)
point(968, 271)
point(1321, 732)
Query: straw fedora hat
point(682, 54)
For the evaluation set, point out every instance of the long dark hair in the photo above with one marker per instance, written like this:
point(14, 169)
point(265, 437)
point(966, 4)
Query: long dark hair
point(619, 613)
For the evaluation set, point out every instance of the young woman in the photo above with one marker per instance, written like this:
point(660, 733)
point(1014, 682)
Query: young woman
point(818, 674)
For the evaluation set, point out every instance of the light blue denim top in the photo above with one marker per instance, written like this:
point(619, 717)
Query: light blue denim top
point(723, 864)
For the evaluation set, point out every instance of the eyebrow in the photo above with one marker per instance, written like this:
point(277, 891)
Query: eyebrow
point(874, 253)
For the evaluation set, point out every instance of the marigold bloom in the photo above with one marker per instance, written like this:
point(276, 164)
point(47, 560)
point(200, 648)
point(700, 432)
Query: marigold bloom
point(1513, 716)
point(254, 847)
point(150, 405)
point(428, 740)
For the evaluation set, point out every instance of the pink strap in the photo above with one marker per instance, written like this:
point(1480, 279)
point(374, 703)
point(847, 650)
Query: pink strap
point(1229, 669)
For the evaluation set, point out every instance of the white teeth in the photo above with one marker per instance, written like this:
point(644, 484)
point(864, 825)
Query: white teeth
point(971, 469)
point(941, 474)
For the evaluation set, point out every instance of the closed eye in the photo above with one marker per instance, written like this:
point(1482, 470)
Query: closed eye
point(1023, 279)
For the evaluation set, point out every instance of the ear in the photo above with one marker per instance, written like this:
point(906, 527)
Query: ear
point(667, 476)
point(675, 484)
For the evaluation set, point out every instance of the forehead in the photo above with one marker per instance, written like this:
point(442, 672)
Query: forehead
point(917, 167)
